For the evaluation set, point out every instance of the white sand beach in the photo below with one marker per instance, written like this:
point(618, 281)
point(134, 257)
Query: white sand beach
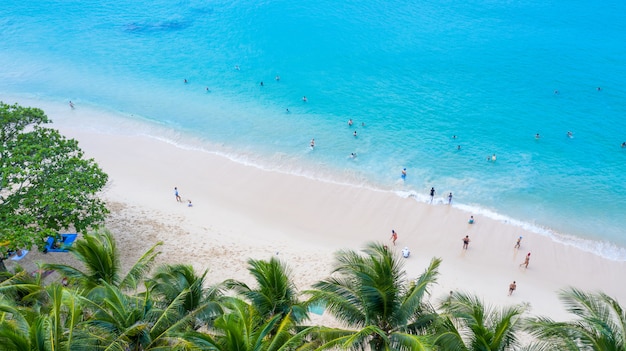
point(242, 212)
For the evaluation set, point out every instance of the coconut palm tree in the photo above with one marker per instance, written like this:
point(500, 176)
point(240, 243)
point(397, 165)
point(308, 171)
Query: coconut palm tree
point(243, 328)
point(370, 294)
point(275, 294)
point(49, 326)
point(468, 325)
point(133, 322)
point(169, 281)
point(600, 324)
point(99, 253)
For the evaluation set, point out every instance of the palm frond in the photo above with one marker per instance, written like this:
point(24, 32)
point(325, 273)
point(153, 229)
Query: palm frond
point(139, 270)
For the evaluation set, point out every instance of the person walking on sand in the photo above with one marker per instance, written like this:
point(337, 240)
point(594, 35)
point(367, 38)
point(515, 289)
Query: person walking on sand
point(432, 194)
point(526, 261)
point(178, 198)
point(518, 243)
point(466, 241)
point(512, 287)
point(394, 237)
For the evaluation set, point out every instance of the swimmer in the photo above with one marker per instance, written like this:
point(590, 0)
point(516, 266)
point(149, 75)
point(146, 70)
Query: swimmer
point(185, 81)
point(362, 124)
point(624, 144)
point(454, 137)
point(312, 143)
point(537, 136)
point(207, 90)
point(458, 147)
point(304, 99)
point(350, 122)
point(556, 92)
point(353, 155)
point(599, 88)
point(287, 110)
point(354, 133)
point(236, 67)
point(277, 78)
point(72, 107)
point(404, 173)
point(570, 134)
point(493, 158)
point(261, 83)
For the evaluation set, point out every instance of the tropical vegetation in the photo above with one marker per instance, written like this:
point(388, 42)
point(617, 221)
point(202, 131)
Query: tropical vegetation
point(171, 307)
point(46, 184)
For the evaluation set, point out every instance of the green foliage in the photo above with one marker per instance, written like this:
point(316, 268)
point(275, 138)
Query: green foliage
point(600, 324)
point(370, 293)
point(467, 324)
point(98, 252)
point(367, 292)
point(45, 183)
point(169, 281)
point(275, 294)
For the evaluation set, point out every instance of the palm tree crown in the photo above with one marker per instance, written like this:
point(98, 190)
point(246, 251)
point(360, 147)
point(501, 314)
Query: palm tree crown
point(370, 292)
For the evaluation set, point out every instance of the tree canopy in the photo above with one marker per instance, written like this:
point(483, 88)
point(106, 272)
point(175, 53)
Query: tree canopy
point(46, 185)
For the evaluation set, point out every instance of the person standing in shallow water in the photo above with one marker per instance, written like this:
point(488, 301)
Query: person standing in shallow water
point(432, 194)
point(450, 199)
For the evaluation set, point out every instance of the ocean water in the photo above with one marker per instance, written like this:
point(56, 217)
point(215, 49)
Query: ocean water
point(418, 79)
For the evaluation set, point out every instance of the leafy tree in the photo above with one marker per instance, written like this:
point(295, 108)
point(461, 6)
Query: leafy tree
point(468, 325)
point(99, 253)
point(600, 326)
point(370, 293)
point(45, 183)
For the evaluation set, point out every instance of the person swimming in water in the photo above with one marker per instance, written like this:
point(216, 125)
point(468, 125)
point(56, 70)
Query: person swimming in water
point(304, 99)
point(570, 134)
point(350, 122)
point(404, 173)
point(312, 143)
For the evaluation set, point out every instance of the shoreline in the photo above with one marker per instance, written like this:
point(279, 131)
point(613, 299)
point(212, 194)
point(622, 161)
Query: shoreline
point(240, 212)
point(111, 122)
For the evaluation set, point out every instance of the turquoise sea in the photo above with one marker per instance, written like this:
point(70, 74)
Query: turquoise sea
point(411, 75)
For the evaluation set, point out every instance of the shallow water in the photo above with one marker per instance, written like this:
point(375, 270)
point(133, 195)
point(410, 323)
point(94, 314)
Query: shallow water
point(492, 74)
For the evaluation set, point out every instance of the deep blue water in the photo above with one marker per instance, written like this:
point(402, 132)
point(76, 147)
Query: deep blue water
point(416, 73)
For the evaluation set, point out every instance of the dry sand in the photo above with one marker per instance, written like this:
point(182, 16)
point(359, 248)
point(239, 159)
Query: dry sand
point(242, 212)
